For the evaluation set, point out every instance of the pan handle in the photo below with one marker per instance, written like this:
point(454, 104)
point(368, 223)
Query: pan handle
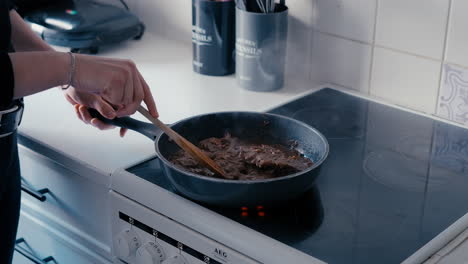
point(147, 129)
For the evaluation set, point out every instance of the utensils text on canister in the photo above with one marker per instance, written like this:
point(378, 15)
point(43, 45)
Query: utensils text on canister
point(261, 47)
point(213, 36)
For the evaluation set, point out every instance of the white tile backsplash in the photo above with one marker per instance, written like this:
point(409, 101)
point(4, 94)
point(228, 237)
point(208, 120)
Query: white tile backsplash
point(457, 45)
point(171, 18)
point(415, 26)
point(299, 48)
point(453, 98)
point(301, 11)
point(350, 19)
point(406, 80)
point(341, 61)
point(298, 53)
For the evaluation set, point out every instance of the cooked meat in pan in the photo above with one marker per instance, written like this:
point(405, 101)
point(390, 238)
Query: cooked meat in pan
point(242, 160)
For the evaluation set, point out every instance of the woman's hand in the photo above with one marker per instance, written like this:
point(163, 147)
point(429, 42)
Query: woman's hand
point(113, 87)
point(117, 82)
point(82, 101)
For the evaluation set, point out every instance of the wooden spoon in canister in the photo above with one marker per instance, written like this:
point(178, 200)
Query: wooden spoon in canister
point(183, 143)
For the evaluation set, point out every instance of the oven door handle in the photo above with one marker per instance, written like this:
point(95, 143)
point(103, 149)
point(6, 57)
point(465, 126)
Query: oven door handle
point(38, 194)
point(33, 258)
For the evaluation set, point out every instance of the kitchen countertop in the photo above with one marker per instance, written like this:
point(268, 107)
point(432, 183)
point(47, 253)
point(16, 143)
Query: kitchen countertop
point(51, 127)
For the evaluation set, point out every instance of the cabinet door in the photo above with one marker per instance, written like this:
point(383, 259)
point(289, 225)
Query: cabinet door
point(73, 203)
point(43, 241)
point(19, 259)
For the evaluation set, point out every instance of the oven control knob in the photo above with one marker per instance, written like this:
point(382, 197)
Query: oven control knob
point(126, 243)
point(177, 259)
point(150, 253)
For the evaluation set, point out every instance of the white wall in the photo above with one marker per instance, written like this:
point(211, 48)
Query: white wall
point(412, 53)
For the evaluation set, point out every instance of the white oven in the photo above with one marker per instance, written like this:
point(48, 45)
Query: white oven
point(143, 236)
point(163, 227)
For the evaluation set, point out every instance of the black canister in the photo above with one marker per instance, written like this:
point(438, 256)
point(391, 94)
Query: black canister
point(261, 40)
point(213, 33)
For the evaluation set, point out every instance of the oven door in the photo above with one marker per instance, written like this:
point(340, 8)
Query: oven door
point(141, 235)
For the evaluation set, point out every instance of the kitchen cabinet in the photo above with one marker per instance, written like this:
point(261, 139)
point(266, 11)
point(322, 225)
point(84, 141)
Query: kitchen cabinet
point(43, 241)
point(75, 208)
point(20, 259)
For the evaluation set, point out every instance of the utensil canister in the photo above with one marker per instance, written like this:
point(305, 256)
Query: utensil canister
point(261, 48)
point(213, 37)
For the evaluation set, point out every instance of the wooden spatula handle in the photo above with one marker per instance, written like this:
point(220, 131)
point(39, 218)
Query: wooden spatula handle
point(153, 120)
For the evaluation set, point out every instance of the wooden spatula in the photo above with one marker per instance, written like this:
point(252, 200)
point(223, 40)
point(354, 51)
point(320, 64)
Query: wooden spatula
point(184, 144)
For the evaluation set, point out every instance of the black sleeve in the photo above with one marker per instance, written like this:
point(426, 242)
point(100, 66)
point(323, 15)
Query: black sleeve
point(10, 4)
point(7, 80)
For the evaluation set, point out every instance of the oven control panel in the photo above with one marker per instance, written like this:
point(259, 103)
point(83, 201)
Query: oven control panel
point(142, 236)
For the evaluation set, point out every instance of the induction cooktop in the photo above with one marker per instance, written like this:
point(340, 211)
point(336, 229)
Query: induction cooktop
point(392, 182)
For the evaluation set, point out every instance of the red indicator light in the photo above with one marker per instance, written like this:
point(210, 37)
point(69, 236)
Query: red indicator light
point(245, 214)
point(260, 207)
point(244, 208)
point(261, 214)
point(71, 12)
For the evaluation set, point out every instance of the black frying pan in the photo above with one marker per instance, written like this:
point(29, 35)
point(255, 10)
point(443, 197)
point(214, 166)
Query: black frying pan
point(258, 127)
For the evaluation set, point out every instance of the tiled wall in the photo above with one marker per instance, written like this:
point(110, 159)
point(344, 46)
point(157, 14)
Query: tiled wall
point(412, 53)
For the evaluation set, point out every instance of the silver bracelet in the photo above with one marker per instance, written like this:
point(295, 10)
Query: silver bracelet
point(71, 73)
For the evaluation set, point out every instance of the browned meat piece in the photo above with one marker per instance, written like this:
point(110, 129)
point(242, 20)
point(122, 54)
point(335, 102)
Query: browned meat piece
point(245, 161)
point(276, 157)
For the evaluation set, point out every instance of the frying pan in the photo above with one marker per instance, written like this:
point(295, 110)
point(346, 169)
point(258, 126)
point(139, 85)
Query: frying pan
point(256, 127)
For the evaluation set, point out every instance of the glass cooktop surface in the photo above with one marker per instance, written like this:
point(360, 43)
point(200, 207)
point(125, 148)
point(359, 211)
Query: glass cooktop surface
point(392, 182)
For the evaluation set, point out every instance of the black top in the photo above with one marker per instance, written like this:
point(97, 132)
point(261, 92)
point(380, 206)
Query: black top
point(9, 162)
point(8, 155)
point(6, 69)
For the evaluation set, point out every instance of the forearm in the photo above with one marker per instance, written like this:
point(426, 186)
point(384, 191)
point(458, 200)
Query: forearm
point(38, 71)
point(23, 38)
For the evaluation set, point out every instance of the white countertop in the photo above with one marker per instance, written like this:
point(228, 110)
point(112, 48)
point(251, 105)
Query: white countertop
point(49, 120)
